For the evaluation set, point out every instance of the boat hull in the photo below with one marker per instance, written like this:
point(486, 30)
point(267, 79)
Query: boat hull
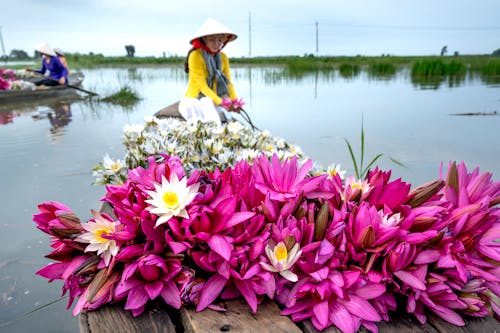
point(55, 92)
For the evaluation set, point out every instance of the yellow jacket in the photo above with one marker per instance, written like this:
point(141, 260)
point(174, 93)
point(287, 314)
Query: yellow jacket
point(198, 74)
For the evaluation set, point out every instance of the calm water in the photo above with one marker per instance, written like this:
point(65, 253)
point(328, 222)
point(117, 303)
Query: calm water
point(48, 150)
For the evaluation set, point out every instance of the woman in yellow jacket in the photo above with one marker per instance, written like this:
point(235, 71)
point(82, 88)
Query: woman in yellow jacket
point(210, 90)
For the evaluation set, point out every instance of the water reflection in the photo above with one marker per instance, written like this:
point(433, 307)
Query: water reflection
point(7, 117)
point(60, 117)
point(451, 76)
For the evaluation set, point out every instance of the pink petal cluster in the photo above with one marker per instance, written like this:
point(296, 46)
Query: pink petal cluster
point(234, 104)
point(6, 77)
point(349, 254)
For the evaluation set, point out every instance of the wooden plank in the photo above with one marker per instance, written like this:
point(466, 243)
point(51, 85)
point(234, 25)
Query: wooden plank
point(399, 325)
point(112, 319)
point(472, 325)
point(238, 318)
point(407, 324)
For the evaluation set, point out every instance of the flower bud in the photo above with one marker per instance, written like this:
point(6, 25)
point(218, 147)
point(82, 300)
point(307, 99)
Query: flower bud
point(321, 222)
point(424, 192)
point(289, 242)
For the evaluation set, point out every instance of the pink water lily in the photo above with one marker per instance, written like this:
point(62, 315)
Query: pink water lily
point(283, 181)
point(344, 254)
point(56, 219)
point(147, 278)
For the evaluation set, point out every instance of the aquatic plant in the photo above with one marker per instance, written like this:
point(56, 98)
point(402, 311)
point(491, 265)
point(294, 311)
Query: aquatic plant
point(124, 97)
point(349, 70)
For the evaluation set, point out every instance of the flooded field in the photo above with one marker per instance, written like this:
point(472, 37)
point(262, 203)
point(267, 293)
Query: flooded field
point(48, 148)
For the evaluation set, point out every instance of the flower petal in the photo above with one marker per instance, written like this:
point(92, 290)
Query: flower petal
point(210, 291)
point(410, 279)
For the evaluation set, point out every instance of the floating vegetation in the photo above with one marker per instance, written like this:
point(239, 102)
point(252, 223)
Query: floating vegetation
point(493, 113)
point(124, 97)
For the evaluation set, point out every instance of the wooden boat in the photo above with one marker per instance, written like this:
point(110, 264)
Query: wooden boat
point(43, 92)
point(170, 111)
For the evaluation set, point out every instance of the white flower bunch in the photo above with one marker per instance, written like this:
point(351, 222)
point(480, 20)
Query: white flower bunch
point(204, 146)
point(22, 85)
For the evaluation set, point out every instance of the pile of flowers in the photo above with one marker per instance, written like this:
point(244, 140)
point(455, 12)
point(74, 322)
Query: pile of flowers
point(338, 253)
point(204, 146)
point(7, 76)
point(11, 80)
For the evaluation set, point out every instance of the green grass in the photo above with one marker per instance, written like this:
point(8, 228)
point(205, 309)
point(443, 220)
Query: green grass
point(382, 69)
point(438, 67)
point(124, 97)
point(349, 70)
point(426, 68)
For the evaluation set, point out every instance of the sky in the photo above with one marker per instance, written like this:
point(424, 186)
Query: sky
point(264, 27)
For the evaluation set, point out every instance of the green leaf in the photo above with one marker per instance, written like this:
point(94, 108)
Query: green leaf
point(397, 162)
point(362, 144)
point(365, 171)
point(22, 316)
point(355, 164)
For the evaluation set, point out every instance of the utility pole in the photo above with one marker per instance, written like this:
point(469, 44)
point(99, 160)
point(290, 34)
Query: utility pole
point(317, 39)
point(249, 34)
point(4, 56)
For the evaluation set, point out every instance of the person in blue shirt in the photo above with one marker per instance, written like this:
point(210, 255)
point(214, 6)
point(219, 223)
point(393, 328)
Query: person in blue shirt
point(58, 73)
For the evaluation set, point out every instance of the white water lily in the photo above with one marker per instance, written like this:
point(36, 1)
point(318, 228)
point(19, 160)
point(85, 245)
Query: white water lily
point(282, 260)
point(390, 220)
point(170, 198)
point(110, 165)
point(333, 170)
point(96, 230)
point(234, 127)
point(133, 128)
point(357, 184)
point(204, 146)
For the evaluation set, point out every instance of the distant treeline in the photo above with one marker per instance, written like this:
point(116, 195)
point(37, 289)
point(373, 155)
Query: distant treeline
point(455, 65)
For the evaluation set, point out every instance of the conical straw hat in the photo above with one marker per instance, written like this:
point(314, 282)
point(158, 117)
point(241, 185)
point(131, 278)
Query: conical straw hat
point(45, 49)
point(212, 27)
point(58, 51)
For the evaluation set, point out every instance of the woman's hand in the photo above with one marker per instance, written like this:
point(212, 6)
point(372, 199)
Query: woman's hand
point(62, 80)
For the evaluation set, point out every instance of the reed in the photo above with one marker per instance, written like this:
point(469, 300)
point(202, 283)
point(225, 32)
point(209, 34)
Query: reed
point(349, 70)
point(382, 69)
point(490, 67)
point(438, 67)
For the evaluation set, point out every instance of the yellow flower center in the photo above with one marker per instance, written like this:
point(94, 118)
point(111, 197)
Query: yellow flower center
point(356, 186)
point(171, 199)
point(116, 166)
point(102, 232)
point(280, 251)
